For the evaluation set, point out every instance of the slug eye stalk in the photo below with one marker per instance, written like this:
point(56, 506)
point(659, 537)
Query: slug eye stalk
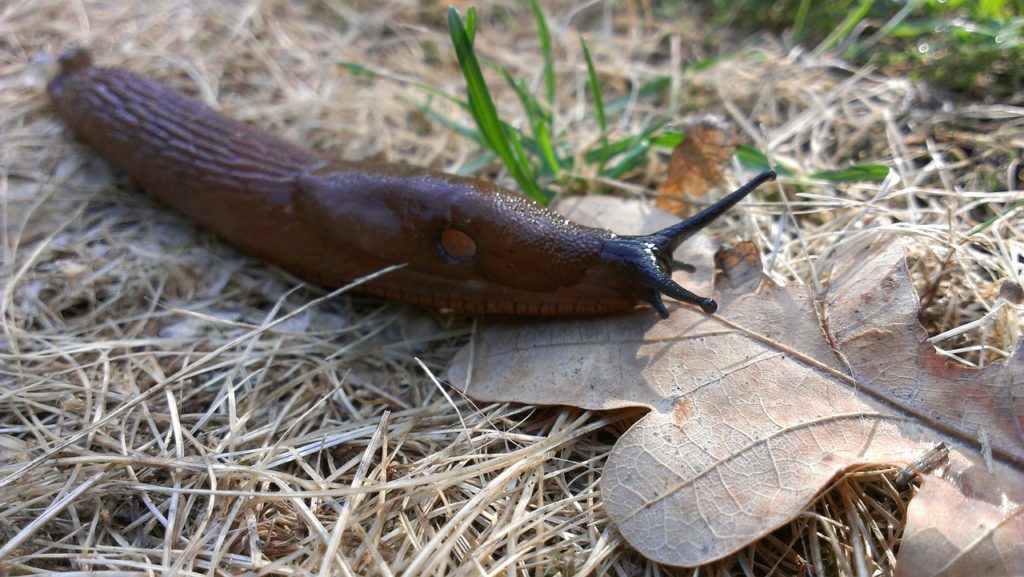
point(650, 256)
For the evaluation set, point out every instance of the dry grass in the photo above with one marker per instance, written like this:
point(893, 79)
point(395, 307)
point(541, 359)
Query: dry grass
point(166, 403)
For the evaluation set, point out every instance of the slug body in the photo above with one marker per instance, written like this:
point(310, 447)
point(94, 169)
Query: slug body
point(468, 245)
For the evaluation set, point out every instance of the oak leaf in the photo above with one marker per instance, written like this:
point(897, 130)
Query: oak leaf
point(753, 411)
point(965, 520)
point(740, 267)
point(697, 164)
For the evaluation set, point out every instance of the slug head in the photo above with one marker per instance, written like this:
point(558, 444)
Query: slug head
point(649, 257)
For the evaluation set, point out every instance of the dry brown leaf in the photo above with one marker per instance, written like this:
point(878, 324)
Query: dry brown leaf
point(741, 267)
point(697, 163)
point(872, 317)
point(753, 412)
point(960, 523)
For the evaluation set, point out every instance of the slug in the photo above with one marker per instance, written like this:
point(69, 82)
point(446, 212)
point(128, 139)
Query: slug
point(468, 245)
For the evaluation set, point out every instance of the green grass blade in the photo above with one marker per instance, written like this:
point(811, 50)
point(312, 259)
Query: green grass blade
point(610, 150)
point(361, 71)
point(538, 120)
point(660, 84)
point(981, 227)
point(545, 48)
point(669, 139)
point(855, 173)
point(474, 166)
point(846, 26)
point(634, 155)
point(480, 103)
point(595, 88)
point(595, 95)
point(753, 158)
point(630, 160)
point(629, 146)
point(535, 113)
point(357, 70)
point(520, 154)
point(547, 150)
point(483, 110)
point(424, 108)
point(800, 20)
point(471, 24)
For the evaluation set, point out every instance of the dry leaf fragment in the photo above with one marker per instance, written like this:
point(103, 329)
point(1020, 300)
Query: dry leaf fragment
point(872, 313)
point(741, 268)
point(963, 523)
point(697, 163)
point(752, 410)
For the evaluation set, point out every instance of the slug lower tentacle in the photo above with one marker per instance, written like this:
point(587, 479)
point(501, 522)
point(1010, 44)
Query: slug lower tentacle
point(469, 245)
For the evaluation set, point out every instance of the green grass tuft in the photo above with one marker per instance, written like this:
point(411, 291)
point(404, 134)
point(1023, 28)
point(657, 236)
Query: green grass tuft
point(976, 47)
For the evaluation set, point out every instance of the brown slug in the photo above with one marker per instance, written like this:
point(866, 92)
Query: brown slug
point(469, 245)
